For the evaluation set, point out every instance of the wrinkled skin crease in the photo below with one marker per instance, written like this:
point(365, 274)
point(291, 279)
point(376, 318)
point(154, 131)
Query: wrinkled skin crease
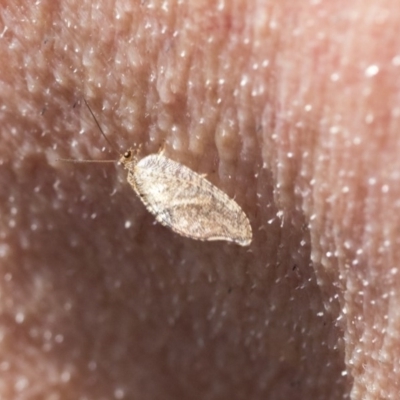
point(291, 109)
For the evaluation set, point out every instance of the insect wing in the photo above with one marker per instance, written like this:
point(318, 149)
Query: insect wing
point(187, 203)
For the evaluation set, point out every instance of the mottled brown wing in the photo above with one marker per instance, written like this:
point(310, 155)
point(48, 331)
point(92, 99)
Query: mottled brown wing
point(187, 203)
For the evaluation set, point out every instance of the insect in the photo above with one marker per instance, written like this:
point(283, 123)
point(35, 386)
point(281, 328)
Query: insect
point(182, 199)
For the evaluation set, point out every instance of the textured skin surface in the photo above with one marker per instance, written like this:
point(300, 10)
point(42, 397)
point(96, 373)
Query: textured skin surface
point(186, 202)
point(299, 103)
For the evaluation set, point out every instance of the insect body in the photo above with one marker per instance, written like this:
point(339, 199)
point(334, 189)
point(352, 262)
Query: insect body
point(185, 201)
point(181, 199)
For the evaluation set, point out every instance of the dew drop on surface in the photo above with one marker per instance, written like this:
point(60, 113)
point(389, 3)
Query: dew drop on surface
point(371, 70)
point(19, 317)
point(59, 338)
point(92, 366)
point(119, 393)
point(21, 384)
point(65, 376)
point(335, 77)
point(4, 250)
point(396, 60)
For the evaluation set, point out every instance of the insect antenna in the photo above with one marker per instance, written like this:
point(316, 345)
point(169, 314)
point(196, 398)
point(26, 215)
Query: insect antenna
point(101, 130)
point(105, 137)
point(85, 161)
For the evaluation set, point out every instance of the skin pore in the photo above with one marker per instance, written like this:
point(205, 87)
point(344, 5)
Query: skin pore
point(292, 108)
